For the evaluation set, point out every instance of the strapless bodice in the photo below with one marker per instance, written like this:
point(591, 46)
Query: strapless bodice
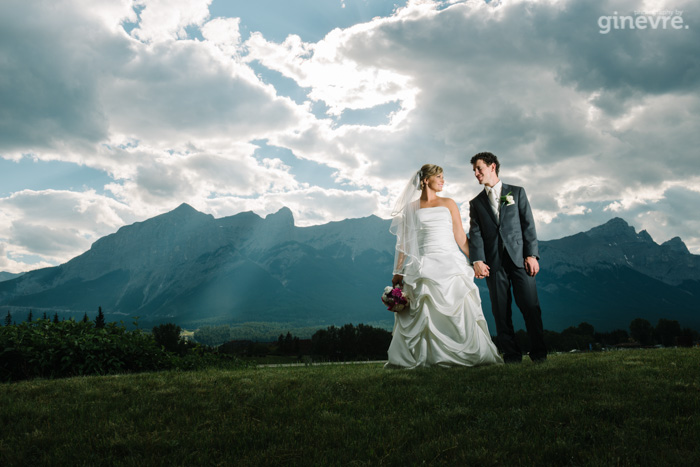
point(435, 234)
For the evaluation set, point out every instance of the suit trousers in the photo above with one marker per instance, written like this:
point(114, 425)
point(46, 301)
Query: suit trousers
point(524, 289)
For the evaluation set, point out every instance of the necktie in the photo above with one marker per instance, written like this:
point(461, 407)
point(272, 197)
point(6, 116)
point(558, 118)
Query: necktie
point(493, 202)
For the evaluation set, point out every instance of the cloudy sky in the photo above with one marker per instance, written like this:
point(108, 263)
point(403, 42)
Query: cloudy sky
point(113, 112)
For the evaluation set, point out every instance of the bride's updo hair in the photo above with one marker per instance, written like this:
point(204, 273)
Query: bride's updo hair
point(427, 171)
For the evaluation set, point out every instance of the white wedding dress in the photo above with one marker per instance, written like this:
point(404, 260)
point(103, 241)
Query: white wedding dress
point(444, 325)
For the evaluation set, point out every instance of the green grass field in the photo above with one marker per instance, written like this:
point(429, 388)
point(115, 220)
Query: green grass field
point(636, 407)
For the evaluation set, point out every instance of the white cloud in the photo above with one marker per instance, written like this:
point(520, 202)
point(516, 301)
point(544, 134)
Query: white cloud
point(334, 77)
point(181, 91)
point(166, 20)
point(57, 225)
point(166, 179)
point(224, 33)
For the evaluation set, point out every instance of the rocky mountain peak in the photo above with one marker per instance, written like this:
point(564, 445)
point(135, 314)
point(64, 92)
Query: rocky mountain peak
point(676, 244)
point(183, 213)
point(619, 231)
point(282, 218)
point(184, 209)
point(644, 236)
point(615, 226)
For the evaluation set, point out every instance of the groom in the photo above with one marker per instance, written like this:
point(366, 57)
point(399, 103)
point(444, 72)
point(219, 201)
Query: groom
point(503, 249)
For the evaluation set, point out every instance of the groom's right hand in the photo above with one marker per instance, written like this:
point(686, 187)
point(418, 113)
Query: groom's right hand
point(481, 269)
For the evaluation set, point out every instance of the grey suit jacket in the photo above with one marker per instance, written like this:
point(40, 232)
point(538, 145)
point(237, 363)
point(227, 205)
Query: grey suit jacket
point(514, 231)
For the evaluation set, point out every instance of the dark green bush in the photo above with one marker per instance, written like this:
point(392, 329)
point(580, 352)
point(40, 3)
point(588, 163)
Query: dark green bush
point(49, 349)
point(168, 336)
point(52, 350)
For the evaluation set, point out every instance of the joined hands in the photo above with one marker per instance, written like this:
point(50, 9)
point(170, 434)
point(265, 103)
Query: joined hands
point(481, 270)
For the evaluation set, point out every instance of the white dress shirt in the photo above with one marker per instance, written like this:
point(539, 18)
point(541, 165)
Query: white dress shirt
point(496, 188)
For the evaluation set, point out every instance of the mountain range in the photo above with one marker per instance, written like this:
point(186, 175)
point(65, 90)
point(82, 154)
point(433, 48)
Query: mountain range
point(192, 269)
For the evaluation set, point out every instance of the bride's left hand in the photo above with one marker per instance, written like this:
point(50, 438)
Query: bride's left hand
point(397, 279)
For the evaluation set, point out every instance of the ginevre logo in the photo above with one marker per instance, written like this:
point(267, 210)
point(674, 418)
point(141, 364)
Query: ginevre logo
point(663, 19)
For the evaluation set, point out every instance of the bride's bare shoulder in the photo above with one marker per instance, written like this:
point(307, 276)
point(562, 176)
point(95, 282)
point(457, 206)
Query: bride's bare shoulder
point(448, 202)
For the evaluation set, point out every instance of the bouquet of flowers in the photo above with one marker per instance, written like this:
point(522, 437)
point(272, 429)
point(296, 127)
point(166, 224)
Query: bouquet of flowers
point(394, 298)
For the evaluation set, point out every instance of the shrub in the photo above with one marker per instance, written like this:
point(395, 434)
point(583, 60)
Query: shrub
point(168, 337)
point(50, 350)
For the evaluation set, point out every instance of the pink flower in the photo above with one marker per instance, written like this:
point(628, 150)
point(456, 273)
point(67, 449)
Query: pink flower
point(394, 299)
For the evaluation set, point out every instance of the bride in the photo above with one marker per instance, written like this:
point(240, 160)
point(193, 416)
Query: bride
point(444, 324)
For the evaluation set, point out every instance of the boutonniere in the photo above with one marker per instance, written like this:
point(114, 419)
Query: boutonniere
point(507, 199)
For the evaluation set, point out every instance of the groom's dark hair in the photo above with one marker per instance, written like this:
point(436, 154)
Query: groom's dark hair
point(488, 159)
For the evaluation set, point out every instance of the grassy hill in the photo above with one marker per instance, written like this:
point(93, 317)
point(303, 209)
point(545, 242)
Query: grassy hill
point(636, 407)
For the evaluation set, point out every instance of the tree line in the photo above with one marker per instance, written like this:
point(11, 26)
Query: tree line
point(49, 347)
point(99, 319)
point(363, 342)
point(642, 333)
point(344, 343)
